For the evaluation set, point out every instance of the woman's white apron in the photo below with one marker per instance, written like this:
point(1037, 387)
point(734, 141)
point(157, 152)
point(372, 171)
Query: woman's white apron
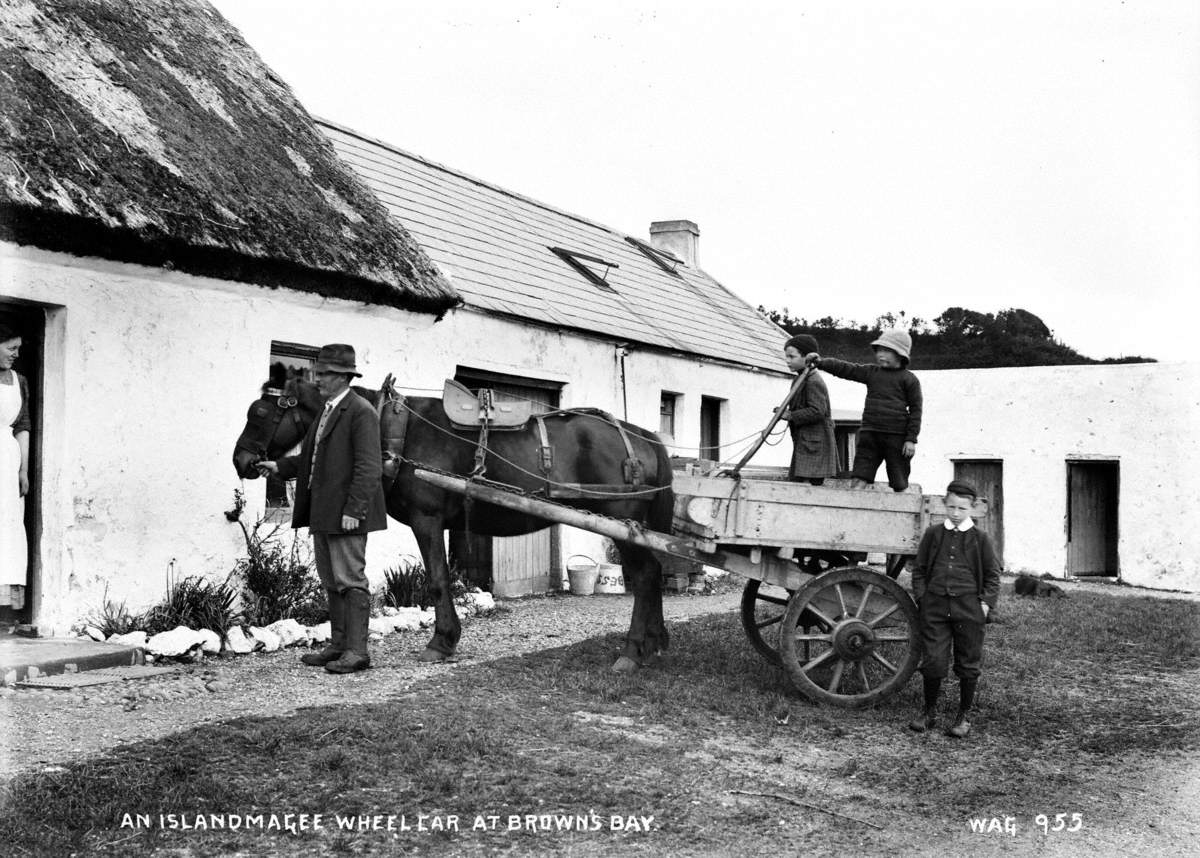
point(13, 551)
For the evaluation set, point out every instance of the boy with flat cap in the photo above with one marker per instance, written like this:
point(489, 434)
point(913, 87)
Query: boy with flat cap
point(955, 581)
point(339, 498)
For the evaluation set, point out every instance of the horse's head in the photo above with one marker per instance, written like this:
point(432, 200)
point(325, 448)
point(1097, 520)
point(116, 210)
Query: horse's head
point(275, 423)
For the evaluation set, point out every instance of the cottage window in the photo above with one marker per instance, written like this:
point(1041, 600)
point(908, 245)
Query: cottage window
point(666, 414)
point(593, 268)
point(288, 361)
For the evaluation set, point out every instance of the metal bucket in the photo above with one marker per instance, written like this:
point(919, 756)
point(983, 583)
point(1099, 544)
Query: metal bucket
point(610, 579)
point(582, 572)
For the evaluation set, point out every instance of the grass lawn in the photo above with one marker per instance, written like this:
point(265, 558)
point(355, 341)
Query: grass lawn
point(1079, 696)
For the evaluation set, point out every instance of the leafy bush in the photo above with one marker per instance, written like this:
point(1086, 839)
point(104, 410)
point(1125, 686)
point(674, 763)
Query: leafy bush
point(277, 582)
point(196, 603)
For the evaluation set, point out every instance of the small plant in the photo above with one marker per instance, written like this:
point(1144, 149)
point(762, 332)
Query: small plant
point(114, 618)
point(406, 586)
point(196, 603)
point(277, 582)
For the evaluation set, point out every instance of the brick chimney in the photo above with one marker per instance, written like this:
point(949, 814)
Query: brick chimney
point(679, 237)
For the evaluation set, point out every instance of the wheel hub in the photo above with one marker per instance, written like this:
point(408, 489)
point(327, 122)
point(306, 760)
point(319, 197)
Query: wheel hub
point(853, 639)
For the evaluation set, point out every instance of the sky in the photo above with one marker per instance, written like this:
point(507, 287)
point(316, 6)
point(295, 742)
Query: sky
point(843, 159)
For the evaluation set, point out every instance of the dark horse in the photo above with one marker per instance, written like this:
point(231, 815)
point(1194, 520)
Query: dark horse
point(586, 451)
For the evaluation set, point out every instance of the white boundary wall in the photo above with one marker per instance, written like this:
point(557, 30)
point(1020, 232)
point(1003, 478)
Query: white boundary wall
point(1035, 419)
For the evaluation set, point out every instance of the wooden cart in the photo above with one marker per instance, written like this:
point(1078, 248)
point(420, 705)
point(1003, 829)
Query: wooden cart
point(845, 634)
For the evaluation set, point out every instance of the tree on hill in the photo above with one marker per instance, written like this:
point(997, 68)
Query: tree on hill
point(958, 339)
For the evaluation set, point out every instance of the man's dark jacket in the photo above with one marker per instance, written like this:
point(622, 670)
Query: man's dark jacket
point(981, 557)
point(347, 475)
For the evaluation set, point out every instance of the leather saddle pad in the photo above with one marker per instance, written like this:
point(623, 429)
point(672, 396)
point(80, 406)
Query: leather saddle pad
point(463, 409)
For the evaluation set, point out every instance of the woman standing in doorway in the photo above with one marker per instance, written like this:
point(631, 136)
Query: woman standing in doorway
point(14, 473)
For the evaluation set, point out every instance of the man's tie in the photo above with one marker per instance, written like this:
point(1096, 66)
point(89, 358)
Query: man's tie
point(317, 440)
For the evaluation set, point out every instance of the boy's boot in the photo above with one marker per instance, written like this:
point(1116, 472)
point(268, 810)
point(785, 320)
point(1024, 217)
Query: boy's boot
point(358, 617)
point(928, 716)
point(337, 633)
point(966, 698)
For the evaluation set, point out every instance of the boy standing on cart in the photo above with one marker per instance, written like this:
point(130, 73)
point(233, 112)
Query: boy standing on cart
point(892, 413)
point(955, 582)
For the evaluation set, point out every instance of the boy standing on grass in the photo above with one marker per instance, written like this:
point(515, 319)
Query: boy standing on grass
point(955, 581)
point(892, 413)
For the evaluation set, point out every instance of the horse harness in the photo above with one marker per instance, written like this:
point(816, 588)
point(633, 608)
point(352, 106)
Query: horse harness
point(483, 413)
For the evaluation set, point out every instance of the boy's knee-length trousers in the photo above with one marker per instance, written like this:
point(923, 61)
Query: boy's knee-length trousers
point(947, 620)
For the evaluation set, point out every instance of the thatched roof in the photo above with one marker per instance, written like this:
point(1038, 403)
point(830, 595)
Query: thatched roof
point(149, 131)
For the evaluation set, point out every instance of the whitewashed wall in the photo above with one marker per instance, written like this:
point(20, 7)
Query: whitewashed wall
point(1034, 419)
point(148, 374)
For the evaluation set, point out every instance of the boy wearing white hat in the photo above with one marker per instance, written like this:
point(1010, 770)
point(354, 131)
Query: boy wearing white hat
point(892, 414)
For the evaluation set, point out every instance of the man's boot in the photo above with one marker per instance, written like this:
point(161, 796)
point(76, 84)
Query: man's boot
point(357, 604)
point(337, 633)
point(966, 699)
point(928, 716)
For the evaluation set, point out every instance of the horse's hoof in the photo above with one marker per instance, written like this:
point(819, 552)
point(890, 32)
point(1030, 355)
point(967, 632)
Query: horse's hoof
point(625, 664)
point(432, 655)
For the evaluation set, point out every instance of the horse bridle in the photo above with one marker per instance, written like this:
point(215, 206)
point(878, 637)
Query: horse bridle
point(286, 404)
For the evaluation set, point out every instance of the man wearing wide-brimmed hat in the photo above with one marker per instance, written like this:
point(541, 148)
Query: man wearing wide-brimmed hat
point(339, 498)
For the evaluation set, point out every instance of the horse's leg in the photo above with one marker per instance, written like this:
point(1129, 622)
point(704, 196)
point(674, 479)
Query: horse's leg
point(446, 629)
point(647, 630)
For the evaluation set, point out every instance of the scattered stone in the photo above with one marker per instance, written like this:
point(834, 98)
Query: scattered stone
point(175, 642)
point(389, 611)
point(137, 638)
point(476, 602)
point(269, 640)
point(33, 672)
point(289, 632)
point(319, 633)
point(210, 641)
point(94, 633)
point(237, 642)
point(216, 686)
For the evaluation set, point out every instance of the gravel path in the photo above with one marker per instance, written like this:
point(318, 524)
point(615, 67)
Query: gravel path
point(40, 728)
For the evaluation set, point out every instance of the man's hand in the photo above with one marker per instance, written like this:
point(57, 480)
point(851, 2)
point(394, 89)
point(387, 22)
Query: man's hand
point(23, 483)
point(910, 449)
point(349, 522)
point(986, 609)
point(811, 358)
point(267, 467)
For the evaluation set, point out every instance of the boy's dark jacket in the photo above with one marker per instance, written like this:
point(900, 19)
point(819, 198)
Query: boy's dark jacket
point(981, 556)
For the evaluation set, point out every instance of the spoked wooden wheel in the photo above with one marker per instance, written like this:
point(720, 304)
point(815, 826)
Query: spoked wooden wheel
point(865, 643)
point(763, 604)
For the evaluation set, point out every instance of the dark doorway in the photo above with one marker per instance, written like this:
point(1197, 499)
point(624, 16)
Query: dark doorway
point(1092, 518)
point(510, 565)
point(987, 475)
point(30, 324)
point(710, 428)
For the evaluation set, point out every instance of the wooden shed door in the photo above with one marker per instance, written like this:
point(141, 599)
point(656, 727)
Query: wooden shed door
point(511, 565)
point(987, 475)
point(1092, 496)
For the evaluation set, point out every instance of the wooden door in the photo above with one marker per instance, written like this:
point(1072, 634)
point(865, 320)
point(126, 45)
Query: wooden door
point(987, 475)
point(511, 565)
point(1092, 507)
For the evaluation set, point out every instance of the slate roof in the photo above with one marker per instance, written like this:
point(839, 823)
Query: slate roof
point(494, 245)
point(149, 131)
